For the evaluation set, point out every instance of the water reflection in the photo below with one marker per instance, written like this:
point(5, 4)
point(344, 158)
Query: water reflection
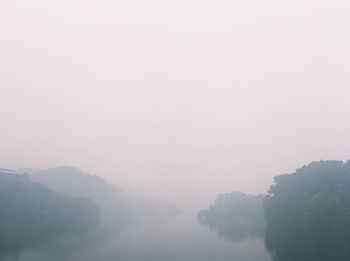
point(307, 247)
point(14, 244)
point(291, 246)
point(177, 240)
point(174, 241)
point(235, 234)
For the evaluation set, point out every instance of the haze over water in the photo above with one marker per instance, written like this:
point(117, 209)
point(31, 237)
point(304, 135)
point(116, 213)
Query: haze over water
point(180, 114)
point(181, 99)
point(180, 240)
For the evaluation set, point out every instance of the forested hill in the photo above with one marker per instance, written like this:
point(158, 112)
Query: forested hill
point(308, 213)
point(235, 215)
point(31, 212)
point(117, 208)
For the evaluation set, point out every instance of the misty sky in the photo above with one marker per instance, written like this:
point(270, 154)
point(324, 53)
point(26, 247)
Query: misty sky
point(183, 99)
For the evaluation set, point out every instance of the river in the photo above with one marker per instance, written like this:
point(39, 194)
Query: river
point(183, 239)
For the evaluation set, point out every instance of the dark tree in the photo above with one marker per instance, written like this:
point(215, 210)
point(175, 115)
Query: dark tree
point(308, 213)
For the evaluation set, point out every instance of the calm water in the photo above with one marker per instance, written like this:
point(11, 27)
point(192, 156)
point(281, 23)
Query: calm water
point(177, 240)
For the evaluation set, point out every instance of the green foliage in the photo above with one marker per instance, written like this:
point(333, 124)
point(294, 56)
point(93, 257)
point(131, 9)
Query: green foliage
point(235, 215)
point(30, 213)
point(308, 213)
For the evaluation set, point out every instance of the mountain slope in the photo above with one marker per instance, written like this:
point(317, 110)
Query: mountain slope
point(117, 208)
point(31, 213)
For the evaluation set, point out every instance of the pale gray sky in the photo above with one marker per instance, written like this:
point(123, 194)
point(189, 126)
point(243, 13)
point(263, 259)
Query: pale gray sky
point(183, 99)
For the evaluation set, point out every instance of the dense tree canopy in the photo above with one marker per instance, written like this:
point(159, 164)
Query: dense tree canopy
point(308, 213)
point(235, 215)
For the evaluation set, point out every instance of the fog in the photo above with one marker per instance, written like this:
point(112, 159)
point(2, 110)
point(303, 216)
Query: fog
point(180, 99)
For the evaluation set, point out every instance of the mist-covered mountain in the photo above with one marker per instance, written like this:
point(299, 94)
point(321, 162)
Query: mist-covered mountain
point(31, 213)
point(117, 207)
point(235, 215)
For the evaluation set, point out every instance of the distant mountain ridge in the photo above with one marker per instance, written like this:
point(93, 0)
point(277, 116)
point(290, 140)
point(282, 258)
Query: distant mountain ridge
point(117, 208)
point(66, 202)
